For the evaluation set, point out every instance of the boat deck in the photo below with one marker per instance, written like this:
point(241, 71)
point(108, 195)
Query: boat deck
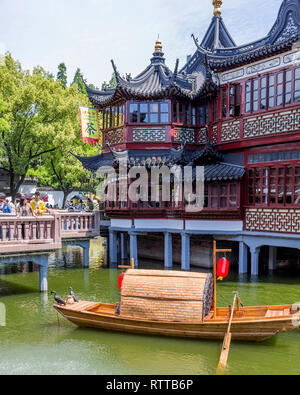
point(246, 313)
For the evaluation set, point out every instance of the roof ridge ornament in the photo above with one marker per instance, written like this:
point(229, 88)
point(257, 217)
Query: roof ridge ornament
point(117, 74)
point(217, 10)
point(158, 45)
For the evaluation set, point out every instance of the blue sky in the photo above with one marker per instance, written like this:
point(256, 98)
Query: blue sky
point(88, 33)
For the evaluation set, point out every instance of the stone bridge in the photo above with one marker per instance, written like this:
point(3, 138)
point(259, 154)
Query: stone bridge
point(36, 237)
point(30, 234)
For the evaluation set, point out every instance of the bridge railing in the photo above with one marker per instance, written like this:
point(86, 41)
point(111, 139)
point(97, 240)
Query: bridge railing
point(28, 230)
point(49, 229)
point(79, 224)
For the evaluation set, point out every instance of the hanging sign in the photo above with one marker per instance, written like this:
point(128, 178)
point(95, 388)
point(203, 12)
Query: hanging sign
point(90, 125)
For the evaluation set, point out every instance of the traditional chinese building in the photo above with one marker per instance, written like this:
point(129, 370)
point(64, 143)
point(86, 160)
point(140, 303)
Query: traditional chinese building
point(234, 110)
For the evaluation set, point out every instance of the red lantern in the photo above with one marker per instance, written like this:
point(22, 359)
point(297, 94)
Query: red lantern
point(121, 278)
point(222, 268)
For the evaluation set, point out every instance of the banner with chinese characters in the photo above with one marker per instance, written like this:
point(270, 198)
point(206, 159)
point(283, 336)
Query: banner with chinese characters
point(90, 125)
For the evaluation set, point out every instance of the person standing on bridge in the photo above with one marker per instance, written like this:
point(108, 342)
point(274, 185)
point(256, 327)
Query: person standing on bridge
point(7, 207)
point(25, 209)
point(38, 206)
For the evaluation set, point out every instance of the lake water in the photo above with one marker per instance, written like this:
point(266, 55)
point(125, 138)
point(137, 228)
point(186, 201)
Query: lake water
point(36, 341)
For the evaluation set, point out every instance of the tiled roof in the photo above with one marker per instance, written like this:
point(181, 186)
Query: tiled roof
point(283, 34)
point(215, 169)
point(217, 36)
point(223, 171)
point(155, 82)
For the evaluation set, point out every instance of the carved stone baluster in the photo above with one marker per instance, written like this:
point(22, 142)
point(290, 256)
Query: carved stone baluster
point(12, 227)
point(76, 223)
point(4, 231)
point(19, 231)
point(26, 230)
point(42, 230)
point(48, 226)
point(34, 231)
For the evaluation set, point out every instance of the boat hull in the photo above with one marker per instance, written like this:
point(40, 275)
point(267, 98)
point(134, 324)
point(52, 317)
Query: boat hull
point(243, 329)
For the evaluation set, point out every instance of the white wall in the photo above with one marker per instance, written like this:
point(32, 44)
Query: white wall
point(55, 197)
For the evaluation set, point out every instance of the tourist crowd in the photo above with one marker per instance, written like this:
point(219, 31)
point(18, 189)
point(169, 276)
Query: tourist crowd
point(37, 207)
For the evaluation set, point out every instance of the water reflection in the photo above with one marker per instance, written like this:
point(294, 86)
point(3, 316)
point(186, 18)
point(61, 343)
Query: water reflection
point(37, 340)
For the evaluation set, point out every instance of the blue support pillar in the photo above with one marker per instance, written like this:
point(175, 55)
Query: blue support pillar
point(243, 258)
point(168, 251)
point(86, 257)
point(134, 249)
point(124, 252)
point(85, 245)
point(255, 261)
point(272, 258)
point(43, 278)
point(113, 251)
point(185, 252)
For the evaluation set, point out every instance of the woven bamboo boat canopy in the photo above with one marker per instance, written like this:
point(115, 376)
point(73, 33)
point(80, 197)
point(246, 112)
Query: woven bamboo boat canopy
point(166, 296)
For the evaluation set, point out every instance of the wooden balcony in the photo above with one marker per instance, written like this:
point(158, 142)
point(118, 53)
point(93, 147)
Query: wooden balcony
point(168, 210)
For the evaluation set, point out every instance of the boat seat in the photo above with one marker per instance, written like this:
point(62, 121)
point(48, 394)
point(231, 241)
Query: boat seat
point(209, 316)
point(274, 313)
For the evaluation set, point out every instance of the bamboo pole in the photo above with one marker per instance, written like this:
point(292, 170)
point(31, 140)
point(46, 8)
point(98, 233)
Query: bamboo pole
point(227, 340)
point(215, 278)
point(215, 251)
point(128, 267)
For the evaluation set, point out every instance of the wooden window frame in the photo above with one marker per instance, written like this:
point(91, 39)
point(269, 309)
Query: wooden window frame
point(276, 74)
point(279, 172)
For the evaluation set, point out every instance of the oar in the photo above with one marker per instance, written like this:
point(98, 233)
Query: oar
point(227, 340)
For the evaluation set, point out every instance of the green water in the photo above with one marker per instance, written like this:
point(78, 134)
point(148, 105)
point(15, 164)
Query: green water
point(35, 341)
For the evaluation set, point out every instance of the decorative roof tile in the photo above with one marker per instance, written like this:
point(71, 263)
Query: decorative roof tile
point(220, 55)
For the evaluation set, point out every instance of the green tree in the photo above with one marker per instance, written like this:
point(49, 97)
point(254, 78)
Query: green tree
point(112, 83)
point(62, 171)
point(62, 74)
point(79, 81)
point(38, 117)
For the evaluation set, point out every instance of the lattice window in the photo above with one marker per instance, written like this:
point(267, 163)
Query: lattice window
point(272, 90)
point(274, 185)
point(224, 196)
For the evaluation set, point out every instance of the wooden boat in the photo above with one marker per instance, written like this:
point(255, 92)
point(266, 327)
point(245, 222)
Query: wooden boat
point(170, 304)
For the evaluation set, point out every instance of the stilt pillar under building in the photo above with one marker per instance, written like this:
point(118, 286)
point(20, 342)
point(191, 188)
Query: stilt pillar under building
point(255, 261)
point(124, 252)
point(113, 251)
point(185, 252)
point(243, 258)
point(134, 249)
point(168, 251)
point(272, 258)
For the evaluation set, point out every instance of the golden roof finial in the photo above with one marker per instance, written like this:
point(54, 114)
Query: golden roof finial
point(217, 4)
point(158, 45)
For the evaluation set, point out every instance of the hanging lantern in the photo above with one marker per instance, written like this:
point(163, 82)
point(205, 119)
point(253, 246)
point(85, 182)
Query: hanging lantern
point(222, 268)
point(121, 278)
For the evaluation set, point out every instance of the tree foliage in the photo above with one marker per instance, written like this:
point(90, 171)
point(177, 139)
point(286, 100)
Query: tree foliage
point(79, 81)
point(38, 121)
point(112, 83)
point(62, 74)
